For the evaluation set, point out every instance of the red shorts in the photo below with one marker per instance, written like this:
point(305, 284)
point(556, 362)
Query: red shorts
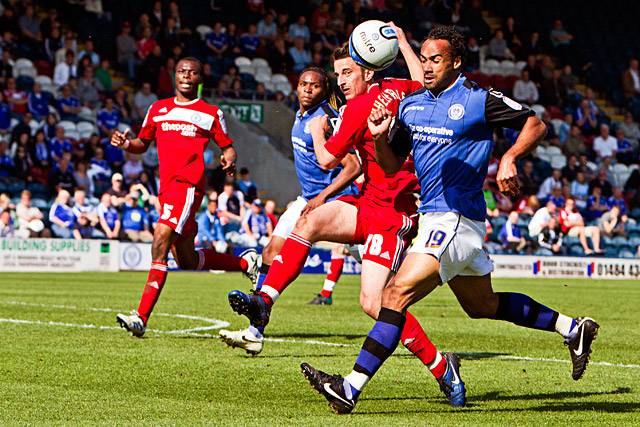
point(384, 231)
point(179, 202)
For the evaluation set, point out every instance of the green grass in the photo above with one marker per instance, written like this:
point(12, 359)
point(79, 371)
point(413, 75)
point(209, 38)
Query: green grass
point(52, 374)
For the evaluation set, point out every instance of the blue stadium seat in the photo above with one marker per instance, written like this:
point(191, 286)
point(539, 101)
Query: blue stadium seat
point(634, 241)
point(632, 226)
point(611, 252)
point(626, 253)
point(576, 250)
point(620, 241)
point(570, 241)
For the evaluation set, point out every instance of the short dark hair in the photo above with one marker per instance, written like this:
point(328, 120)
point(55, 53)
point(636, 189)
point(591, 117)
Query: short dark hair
point(190, 59)
point(341, 52)
point(455, 39)
point(244, 171)
point(329, 94)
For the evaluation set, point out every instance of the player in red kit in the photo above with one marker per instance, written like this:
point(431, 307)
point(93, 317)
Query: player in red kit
point(182, 127)
point(380, 217)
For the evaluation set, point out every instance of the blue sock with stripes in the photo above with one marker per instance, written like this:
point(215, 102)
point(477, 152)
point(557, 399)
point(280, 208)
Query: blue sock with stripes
point(524, 311)
point(264, 270)
point(378, 346)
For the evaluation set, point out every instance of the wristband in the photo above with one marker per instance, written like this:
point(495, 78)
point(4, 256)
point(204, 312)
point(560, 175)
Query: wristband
point(126, 144)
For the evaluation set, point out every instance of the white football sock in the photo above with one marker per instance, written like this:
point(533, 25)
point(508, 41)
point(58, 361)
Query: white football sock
point(563, 326)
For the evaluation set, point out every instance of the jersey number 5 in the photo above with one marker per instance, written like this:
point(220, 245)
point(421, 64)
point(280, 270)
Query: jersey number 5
point(166, 211)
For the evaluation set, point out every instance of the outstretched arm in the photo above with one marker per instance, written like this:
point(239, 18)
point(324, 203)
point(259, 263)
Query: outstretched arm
point(351, 170)
point(136, 145)
point(410, 57)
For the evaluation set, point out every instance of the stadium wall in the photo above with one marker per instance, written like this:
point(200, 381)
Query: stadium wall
point(61, 255)
point(271, 169)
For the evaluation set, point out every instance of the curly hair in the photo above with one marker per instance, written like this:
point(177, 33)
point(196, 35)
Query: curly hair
point(326, 84)
point(457, 46)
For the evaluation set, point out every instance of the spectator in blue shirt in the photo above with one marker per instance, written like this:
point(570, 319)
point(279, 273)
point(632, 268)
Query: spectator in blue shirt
point(108, 217)
point(585, 118)
point(41, 149)
point(90, 53)
point(300, 30)
point(216, 41)
point(301, 57)
point(113, 155)
point(247, 186)
point(61, 216)
point(134, 220)
point(510, 235)
point(596, 205)
point(625, 152)
point(68, 105)
point(617, 199)
point(5, 115)
point(59, 144)
point(108, 117)
point(556, 197)
point(249, 41)
point(267, 28)
point(256, 227)
point(210, 233)
point(38, 103)
point(7, 168)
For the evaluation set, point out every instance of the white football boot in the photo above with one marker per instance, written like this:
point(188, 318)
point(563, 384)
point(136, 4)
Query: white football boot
point(252, 257)
point(132, 323)
point(244, 339)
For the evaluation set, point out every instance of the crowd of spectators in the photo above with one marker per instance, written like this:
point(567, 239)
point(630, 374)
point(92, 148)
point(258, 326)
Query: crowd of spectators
point(65, 89)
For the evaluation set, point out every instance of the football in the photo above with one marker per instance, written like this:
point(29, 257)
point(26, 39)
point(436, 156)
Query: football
point(373, 45)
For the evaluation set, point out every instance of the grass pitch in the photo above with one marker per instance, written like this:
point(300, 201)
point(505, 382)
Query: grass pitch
point(63, 360)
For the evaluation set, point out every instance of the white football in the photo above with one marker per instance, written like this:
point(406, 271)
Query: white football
point(373, 45)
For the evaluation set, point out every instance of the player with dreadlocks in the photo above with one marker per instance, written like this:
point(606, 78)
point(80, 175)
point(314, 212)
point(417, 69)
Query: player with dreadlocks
point(318, 187)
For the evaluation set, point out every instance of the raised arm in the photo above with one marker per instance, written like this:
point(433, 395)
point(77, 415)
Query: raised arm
point(410, 57)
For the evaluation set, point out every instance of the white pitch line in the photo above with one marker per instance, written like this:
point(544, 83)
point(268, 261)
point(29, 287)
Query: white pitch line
point(217, 324)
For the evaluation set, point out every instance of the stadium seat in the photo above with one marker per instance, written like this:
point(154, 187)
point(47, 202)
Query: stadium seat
point(262, 78)
point(490, 67)
point(556, 125)
point(23, 62)
point(576, 250)
point(242, 61)
point(39, 203)
point(203, 30)
point(87, 114)
point(270, 86)
point(554, 151)
point(634, 241)
point(68, 126)
point(538, 109)
point(74, 135)
point(259, 63)
point(44, 80)
point(619, 241)
point(279, 78)
point(508, 68)
point(35, 125)
point(558, 162)
point(13, 123)
point(284, 87)
point(263, 70)
point(520, 65)
point(26, 71)
point(626, 253)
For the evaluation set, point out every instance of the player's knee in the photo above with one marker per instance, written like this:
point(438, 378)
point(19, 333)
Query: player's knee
point(304, 227)
point(395, 297)
point(370, 305)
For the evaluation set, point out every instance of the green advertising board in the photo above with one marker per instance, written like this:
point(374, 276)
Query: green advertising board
point(246, 112)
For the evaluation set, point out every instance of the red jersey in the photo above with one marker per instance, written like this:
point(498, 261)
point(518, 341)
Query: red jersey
point(182, 131)
point(381, 188)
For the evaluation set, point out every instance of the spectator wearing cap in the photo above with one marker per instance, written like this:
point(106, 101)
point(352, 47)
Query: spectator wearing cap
point(604, 144)
point(210, 231)
point(65, 70)
point(256, 227)
point(38, 103)
point(68, 105)
point(117, 191)
point(108, 217)
point(573, 225)
point(135, 220)
point(61, 216)
point(510, 235)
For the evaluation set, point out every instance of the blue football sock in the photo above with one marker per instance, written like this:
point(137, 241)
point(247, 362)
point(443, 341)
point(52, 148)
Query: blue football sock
point(524, 311)
point(264, 270)
point(379, 345)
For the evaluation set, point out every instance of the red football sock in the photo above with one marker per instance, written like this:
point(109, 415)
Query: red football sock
point(285, 267)
point(416, 341)
point(212, 260)
point(333, 275)
point(153, 287)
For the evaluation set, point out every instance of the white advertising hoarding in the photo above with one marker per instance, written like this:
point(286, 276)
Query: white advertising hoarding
point(58, 255)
